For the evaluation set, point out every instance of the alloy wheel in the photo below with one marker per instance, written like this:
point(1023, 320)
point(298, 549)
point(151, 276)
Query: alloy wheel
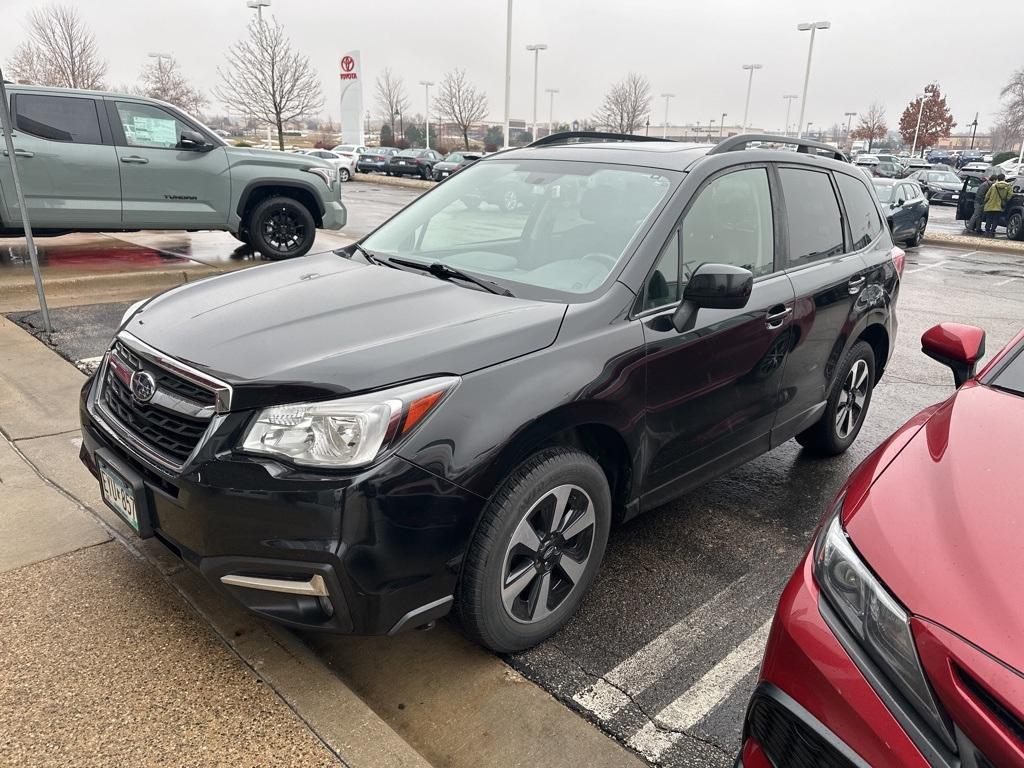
point(283, 230)
point(548, 553)
point(1014, 226)
point(852, 399)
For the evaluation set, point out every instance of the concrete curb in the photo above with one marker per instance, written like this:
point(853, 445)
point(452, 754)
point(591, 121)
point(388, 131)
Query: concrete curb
point(331, 710)
point(969, 243)
point(393, 181)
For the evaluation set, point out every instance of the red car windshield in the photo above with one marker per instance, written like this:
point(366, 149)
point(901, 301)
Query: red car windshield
point(1009, 375)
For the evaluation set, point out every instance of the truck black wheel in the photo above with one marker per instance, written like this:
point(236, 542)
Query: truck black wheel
point(281, 228)
point(536, 551)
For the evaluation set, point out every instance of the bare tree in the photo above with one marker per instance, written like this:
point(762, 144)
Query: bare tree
point(1012, 115)
point(626, 105)
point(871, 125)
point(460, 103)
point(391, 97)
point(60, 50)
point(265, 78)
point(163, 80)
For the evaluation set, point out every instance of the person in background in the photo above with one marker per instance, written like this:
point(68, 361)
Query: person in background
point(974, 225)
point(995, 202)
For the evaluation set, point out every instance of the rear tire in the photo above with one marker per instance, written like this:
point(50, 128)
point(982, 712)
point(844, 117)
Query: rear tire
point(847, 404)
point(536, 551)
point(1015, 226)
point(281, 228)
point(344, 174)
point(918, 233)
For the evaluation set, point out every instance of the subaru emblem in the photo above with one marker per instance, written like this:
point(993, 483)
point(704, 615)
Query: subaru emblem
point(143, 386)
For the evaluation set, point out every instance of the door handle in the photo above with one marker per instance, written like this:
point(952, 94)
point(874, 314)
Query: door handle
point(20, 153)
point(774, 319)
point(856, 283)
point(134, 159)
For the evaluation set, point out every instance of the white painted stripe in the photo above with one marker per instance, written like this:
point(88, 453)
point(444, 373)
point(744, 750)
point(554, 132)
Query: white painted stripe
point(90, 360)
point(652, 742)
point(1004, 282)
point(636, 673)
point(719, 681)
point(927, 266)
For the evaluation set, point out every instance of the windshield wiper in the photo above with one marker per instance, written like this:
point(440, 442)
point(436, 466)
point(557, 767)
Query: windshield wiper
point(372, 258)
point(444, 272)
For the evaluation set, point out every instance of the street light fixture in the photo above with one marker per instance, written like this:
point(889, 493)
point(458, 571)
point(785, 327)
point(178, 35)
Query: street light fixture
point(159, 56)
point(259, 5)
point(813, 26)
point(750, 84)
point(664, 126)
point(551, 109)
point(789, 105)
point(426, 120)
point(536, 48)
point(920, 111)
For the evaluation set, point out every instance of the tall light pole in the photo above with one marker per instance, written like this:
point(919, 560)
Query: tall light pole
point(536, 48)
point(711, 127)
point(664, 126)
point(259, 5)
point(426, 91)
point(920, 111)
point(508, 70)
point(809, 124)
point(721, 125)
point(849, 122)
point(813, 26)
point(789, 105)
point(750, 84)
point(551, 109)
point(974, 129)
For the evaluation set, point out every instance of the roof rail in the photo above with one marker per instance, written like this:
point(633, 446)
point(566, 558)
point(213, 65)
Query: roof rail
point(573, 137)
point(804, 146)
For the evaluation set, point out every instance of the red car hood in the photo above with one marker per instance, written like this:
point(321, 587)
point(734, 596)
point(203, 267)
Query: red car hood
point(943, 525)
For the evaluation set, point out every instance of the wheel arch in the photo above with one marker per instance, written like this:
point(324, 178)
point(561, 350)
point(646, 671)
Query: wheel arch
point(876, 335)
point(259, 190)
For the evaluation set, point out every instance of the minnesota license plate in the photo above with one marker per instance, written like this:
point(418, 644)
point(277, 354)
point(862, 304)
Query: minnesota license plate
point(119, 495)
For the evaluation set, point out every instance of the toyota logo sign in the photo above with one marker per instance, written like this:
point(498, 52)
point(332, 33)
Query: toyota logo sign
point(347, 63)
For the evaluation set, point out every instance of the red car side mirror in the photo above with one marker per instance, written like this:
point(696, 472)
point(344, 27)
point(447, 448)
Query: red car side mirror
point(957, 346)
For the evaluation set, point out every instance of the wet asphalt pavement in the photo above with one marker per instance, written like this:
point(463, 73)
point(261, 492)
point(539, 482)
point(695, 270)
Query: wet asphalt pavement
point(664, 651)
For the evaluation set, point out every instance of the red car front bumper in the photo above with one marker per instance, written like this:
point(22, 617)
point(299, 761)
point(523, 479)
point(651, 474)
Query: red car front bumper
point(814, 706)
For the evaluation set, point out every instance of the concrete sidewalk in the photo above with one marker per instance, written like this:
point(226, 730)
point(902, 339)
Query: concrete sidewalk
point(111, 651)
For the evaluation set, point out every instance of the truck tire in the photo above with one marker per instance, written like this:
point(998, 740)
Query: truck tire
point(281, 228)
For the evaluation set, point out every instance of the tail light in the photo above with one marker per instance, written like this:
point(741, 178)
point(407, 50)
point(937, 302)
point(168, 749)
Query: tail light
point(899, 260)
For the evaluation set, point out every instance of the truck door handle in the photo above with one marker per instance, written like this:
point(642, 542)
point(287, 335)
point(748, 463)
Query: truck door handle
point(20, 153)
point(856, 283)
point(776, 317)
point(134, 159)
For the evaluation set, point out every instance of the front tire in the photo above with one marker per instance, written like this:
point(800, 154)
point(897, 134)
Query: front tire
point(918, 233)
point(536, 551)
point(847, 405)
point(344, 174)
point(1015, 226)
point(281, 228)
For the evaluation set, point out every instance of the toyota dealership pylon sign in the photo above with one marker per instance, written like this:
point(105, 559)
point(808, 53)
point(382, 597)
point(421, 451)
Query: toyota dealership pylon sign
point(349, 74)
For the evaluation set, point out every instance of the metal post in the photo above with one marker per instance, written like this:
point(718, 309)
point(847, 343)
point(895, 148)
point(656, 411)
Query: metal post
point(789, 105)
point(849, 122)
point(536, 48)
point(750, 85)
point(721, 125)
point(920, 111)
point(551, 110)
point(664, 126)
point(813, 27)
point(426, 120)
point(974, 129)
point(508, 71)
point(12, 156)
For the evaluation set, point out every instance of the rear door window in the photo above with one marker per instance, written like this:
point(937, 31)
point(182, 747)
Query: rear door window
point(815, 222)
point(865, 225)
point(58, 118)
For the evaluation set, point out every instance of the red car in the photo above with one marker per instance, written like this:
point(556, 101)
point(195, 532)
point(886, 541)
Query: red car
point(899, 641)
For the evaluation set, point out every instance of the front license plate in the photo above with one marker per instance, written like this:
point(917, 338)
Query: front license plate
point(123, 491)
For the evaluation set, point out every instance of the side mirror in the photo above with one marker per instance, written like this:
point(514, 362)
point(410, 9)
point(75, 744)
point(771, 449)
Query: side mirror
point(713, 286)
point(194, 140)
point(899, 203)
point(957, 346)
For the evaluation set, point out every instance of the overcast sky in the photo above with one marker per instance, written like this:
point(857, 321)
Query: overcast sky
point(874, 50)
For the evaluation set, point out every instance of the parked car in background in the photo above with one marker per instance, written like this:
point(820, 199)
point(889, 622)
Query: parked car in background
point(413, 162)
point(375, 159)
point(971, 156)
point(346, 165)
point(866, 159)
point(93, 161)
point(975, 169)
point(1012, 217)
point(939, 186)
point(913, 164)
point(896, 161)
point(352, 151)
point(453, 162)
point(1011, 167)
point(938, 156)
point(905, 208)
point(897, 642)
point(455, 411)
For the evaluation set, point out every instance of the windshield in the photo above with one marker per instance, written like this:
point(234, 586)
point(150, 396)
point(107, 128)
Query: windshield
point(543, 228)
point(344, 148)
point(884, 192)
point(454, 157)
point(1010, 375)
point(947, 177)
point(408, 153)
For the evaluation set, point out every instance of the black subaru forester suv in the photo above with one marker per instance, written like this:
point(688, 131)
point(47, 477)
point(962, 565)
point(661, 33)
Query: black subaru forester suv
point(454, 412)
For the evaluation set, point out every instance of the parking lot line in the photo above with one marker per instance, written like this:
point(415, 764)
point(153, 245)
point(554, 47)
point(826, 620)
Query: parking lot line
point(927, 266)
point(638, 672)
point(1008, 280)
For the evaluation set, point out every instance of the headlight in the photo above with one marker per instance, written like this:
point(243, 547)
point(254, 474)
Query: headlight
point(879, 622)
point(131, 311)
point(350, 432)
point(327, 174)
